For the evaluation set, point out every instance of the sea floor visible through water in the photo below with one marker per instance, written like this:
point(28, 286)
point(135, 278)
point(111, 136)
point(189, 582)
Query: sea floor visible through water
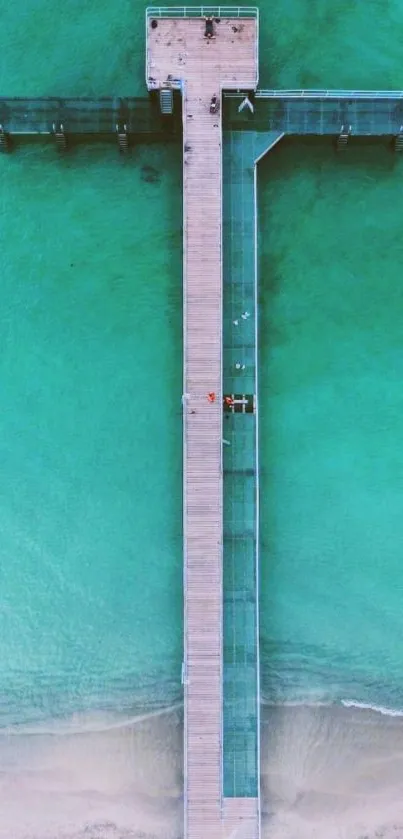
point(90, 443)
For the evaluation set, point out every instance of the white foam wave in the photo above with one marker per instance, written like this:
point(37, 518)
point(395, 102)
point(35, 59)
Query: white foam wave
point(315, 699)
point(378, 709)
point(83, 724)
point(346, 703)
point(297, 703)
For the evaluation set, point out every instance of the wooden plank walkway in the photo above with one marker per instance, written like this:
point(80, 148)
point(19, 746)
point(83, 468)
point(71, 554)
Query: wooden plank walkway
point(177, 48)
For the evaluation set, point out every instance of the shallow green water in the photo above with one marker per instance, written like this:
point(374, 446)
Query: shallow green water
point(91, 381)
point(332, 423)
point(90, 430)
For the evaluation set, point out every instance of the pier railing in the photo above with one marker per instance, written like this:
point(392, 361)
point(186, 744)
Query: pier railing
point(322, 94)
point(328, 94)
point(202, 11)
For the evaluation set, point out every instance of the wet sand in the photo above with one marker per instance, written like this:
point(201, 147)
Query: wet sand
point(331, 772)
point(120, 782)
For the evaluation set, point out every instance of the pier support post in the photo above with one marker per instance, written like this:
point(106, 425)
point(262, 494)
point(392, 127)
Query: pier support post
point(398, 141)
point(4, 141)
point(123, 138)
point(60, 136)
point(342, 139)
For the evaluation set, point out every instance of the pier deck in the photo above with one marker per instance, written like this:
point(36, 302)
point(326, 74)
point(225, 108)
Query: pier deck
point(180, 55)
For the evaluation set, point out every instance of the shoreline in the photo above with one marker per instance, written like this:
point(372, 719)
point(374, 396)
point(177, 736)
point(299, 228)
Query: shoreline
point(100, 721)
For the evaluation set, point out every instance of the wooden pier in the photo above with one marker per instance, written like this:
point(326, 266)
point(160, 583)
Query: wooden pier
point(180, 55)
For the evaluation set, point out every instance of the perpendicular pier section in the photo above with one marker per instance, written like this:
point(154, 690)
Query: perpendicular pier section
point(294, 113)
point(202, 52)
point(318, 113)
point(86, 118)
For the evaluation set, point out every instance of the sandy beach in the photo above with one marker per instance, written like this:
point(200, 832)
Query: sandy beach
point(331, 772)
point(327, 771)
point(121, 781)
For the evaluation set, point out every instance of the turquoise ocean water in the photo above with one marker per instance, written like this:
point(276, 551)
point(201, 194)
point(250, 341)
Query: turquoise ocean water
point(332, 424)
point(90, 413)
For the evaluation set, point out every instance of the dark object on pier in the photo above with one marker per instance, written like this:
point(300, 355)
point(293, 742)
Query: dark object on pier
point(154, 24)
point(214, 105)
point(209, 30)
